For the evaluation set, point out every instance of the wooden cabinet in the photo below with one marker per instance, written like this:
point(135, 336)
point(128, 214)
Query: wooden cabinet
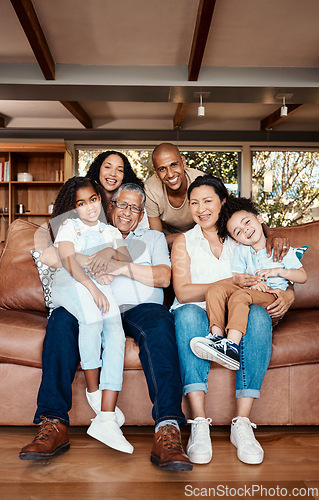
point(50, 165)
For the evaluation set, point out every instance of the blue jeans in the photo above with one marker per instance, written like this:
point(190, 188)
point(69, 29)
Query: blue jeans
point(255, 350)
point(150, 325)
point(95, 330)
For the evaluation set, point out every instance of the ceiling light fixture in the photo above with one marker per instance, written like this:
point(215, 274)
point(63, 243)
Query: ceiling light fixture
point(283, 109)
point(201, 108)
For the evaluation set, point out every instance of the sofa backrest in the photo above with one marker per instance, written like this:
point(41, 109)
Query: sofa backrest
point(307, 295)
point(20, 285)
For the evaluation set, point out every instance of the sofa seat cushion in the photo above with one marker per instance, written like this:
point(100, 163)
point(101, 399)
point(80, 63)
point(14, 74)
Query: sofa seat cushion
point(22, 334)
point(295, 339)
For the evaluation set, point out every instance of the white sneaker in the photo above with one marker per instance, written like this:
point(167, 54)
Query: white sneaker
point(94, 399)
point(199, 446)
point(108, 432)
point(242, 436)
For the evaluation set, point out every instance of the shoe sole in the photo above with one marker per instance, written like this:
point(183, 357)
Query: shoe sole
point(201, 460)
point(171, 465)
point(101, 437)
point(249, 462)
point(38, 456)
point(204, 352)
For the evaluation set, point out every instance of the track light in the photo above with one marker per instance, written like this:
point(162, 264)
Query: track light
point(283, 109)
point(201, 108)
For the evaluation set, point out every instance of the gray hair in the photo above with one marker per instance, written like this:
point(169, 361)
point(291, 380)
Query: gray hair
point(134, 188)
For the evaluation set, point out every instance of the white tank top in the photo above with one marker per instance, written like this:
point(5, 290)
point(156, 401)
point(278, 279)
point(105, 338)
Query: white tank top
point(204, 266)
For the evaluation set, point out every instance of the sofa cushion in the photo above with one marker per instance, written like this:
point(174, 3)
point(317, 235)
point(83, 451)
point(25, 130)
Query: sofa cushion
point(21, 340)
point(20, 286)
point(295, 339)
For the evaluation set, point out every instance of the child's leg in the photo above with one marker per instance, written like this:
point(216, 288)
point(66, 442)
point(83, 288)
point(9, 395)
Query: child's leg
point(234, 335)
point(113, 346)
point(109, 399)
point(217, 297)
point(238, 308)
point(76, 299)
point(92, 378)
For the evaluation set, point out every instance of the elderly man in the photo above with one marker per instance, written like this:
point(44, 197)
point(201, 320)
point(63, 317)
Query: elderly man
point(167, 205)
point(137, 288)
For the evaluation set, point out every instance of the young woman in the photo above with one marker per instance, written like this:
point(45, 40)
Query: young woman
point(111, 169)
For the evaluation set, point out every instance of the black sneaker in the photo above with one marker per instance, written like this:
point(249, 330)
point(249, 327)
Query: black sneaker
point(218, 349)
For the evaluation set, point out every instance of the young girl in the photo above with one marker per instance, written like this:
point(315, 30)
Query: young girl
point(77, 226)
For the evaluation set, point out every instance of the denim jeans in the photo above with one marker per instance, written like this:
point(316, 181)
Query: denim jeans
point(150, 325)
point(255, 350)
point(95, 330)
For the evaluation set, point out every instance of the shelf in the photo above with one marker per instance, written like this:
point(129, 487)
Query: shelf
point(38, 183)
point(32, 214)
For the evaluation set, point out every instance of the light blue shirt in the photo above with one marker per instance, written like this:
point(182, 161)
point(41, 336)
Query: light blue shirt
point(247, 260)
point(148, 248)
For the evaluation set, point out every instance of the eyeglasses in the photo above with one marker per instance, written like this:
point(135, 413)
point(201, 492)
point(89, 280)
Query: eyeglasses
point(123, 205)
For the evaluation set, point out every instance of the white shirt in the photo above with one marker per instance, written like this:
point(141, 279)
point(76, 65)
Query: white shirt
point(204, 266)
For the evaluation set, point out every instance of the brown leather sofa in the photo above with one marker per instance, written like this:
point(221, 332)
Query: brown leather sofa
point(289, 393)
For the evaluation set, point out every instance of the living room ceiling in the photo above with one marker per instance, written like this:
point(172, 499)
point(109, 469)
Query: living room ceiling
point(89, 67)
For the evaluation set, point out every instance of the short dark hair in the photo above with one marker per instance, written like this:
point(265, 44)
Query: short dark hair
point(229, 208)
point(209, 180)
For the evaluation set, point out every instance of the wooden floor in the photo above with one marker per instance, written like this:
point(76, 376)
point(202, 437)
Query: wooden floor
point(90, 470)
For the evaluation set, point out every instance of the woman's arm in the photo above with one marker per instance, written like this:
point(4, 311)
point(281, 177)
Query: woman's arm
point(184, 289)
point(281, 305)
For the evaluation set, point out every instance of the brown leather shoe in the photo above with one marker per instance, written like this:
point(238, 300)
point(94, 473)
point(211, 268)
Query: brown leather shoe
point(51, 439)
point(167, 451)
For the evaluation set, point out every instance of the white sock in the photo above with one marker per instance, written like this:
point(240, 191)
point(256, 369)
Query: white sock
point(107, 415)
point(167, 422)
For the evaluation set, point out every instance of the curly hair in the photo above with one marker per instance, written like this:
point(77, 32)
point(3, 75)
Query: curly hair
point(65, 202)
point(229, 208)
point(129, 174)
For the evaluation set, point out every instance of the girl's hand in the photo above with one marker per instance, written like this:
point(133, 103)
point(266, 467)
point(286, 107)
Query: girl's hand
point(98, 262)
point(268, 273)
point(245, 280)
point(100, 300)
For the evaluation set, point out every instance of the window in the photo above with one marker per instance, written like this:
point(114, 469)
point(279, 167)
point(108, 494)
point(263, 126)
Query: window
point(223, 164)
point(286, 186)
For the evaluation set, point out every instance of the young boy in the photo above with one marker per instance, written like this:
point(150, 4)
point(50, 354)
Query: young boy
point(240, 220)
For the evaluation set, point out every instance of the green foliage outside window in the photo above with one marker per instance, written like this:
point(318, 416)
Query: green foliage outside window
point(294, 197)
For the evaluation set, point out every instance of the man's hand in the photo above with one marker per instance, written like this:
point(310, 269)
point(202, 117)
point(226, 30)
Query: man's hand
point(98, 262)
point(281, 305)
point(245, 280)
point(104, 279)
point(279, 244)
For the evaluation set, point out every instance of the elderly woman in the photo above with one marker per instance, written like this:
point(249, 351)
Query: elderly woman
point(199, 258)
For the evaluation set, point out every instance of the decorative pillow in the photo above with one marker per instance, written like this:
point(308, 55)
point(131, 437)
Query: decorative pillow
point(20, 286)
point(46, 274)
point(300, 251)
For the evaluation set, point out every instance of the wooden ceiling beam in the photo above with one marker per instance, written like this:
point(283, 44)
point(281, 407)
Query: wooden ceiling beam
point(180, 113)
point(33, 31)
point(275, 118)
point(78, 112)
point(202, 27)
